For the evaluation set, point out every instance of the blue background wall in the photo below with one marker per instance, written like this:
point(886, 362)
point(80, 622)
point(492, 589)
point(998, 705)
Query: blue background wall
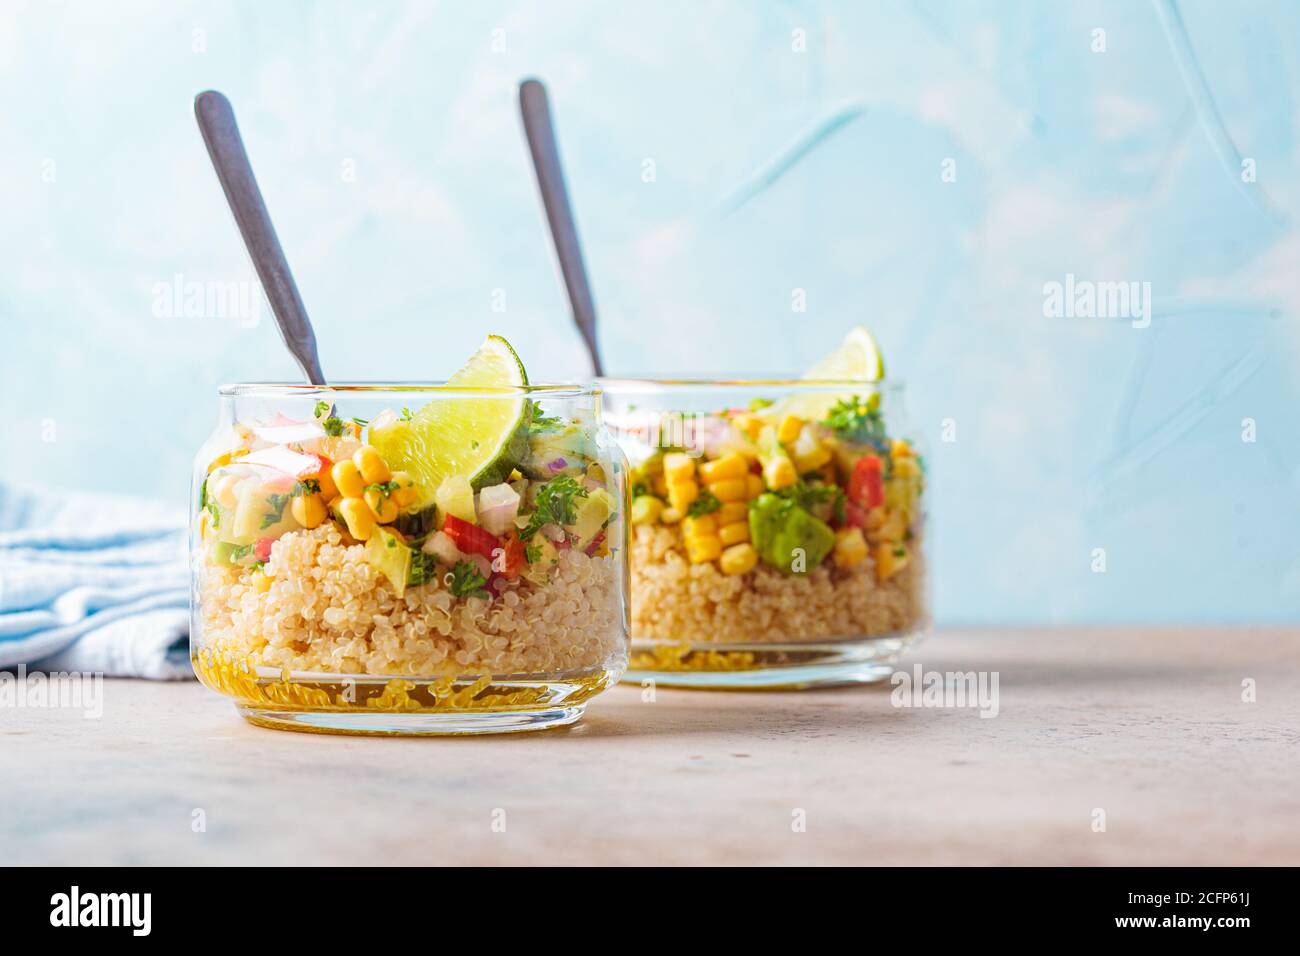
point(794, 146)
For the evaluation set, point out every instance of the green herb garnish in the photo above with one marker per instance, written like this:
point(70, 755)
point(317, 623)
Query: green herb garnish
point(758, 404)
point(277, 503)
point(466, 581)
point(542, 422)
point(406, 414)
point(308, 486)
point(555, 504)
point(532, 552)
point(333, 425)
point(423, 568)
point(857, 420)
point(706, 503)
point(385, 488)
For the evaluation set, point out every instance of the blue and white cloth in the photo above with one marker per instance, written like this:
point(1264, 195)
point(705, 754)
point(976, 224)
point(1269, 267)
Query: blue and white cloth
point(93, 583)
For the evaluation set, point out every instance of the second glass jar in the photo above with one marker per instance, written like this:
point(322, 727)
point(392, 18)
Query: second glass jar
point(778, 530)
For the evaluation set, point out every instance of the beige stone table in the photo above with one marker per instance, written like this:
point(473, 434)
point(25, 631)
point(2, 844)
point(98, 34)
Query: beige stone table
point(1148, 726)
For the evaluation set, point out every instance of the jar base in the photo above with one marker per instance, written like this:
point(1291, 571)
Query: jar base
point(766, 666)
point(425, 724)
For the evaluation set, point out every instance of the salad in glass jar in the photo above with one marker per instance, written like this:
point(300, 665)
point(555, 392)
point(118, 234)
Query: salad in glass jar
point(411, 559)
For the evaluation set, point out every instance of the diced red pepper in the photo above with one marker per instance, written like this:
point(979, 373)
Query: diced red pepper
point(512, 558)
point(262, 550)
point(867, 483)
point(596, 542)
point(470, 538)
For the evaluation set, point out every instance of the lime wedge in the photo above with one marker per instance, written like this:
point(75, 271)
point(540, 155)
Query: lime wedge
point(479, 437)
point(857, 359)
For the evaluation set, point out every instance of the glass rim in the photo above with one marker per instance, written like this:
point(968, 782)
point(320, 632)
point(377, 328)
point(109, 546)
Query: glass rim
point(630, 383)
point(307, 390)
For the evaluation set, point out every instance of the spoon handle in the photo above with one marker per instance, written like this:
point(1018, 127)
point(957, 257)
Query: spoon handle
point(216, 121)
point(536, 112)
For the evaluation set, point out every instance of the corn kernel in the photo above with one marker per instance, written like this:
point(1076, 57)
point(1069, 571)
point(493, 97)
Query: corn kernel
point(328, 490)
point(732, 512)
point(779, 473)
point(900, 449)
point(891, 529)
point(748, 425)
point(371, 466)
point(753, 486)
point(659, 484)
point(382, 506)
point(876, 517)
point(646, 509)
point(906, 468)
point(703, 548)
point(697, 527)
point(308, 510)
point(682, 493)
point(730, 465)
point(671, 515)
point(405, 494)
point(262, 581)
point(730, 489)
point(789, 429)
point(738, 559)
point(357, 516)
point(850, 547)
point(678, 467)
point(890, 559)
point(347, 479)
point(734, 533)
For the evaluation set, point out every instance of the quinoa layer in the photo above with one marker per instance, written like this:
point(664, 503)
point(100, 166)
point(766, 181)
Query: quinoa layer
point(675, 600)
point(328, 609)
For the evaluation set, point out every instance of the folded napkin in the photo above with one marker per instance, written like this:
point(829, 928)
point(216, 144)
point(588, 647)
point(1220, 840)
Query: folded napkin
point(93, 583)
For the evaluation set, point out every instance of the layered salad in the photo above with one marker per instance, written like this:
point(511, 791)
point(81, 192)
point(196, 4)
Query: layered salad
point(479, 533)
point(795, 518)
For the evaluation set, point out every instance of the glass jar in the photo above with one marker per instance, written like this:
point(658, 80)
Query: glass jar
point(778, 530)
point(409, 559)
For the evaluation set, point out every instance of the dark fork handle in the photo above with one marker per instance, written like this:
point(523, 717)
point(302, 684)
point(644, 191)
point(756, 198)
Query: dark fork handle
point(216, 121)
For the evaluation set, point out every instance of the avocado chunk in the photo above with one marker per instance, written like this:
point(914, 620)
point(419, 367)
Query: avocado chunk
point(390, 557)
point(787, 536)
point(593, 514)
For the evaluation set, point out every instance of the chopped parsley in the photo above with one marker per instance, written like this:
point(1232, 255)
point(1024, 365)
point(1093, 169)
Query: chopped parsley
point(532, 552)
point(555, 504)
point(385, 488)
point(807, 495)
point(308, 486)
point(333, 425)
point(422, 570)
point(857, 420)
point(640, 488)
point(466, 581)
point(706, 503)
point(542, 422)
point(277, 503)
point(406, 414)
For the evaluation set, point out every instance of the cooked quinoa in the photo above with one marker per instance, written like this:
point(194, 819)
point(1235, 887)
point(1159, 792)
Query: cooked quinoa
point(328, 610)
point(675, 600)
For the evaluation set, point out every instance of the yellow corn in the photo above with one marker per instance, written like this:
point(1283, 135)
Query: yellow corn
point(328, 491)
point(404, 494)
point(646, 509)
point(222, 459)
point(890, 559)
point(779, 473)
point(730, 489)
point(876, 517)
point(738, 559)
point(748, 425)
point(371, 466)
point(659, 484)
point(789, 428)
point(698, 527)
point(703, 548)
point(900, 449)
point(850, 547)
point(262, 581)
point(734, 533)
point(678, 467)
point(382, 506)
point(357, 516)
point(732, 512)
point(347, 478)
point(753, 486)
point(730, 465)
point(682, 493)
point(891, 529)
point(308, 510)
point(671, 515)
point(906, 467)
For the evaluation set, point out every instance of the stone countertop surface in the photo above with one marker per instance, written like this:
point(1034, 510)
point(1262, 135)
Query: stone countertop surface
point(1109, 746)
